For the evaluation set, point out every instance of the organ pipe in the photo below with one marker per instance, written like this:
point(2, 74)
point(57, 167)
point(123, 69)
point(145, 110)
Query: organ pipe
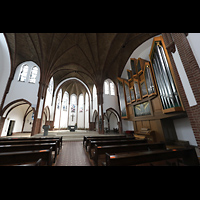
point(166, 86)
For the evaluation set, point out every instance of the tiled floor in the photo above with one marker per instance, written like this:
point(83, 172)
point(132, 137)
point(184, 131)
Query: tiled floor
point(72, 154)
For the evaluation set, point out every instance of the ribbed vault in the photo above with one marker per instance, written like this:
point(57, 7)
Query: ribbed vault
point(91, 57)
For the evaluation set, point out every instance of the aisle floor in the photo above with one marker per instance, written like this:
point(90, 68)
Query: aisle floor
point(73, 154)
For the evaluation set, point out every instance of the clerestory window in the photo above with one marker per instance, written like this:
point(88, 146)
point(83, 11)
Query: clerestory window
point(33, 75)
point(23, 73)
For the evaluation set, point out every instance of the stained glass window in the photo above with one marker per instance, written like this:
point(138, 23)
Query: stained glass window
point(65, 101)
point(50, 87)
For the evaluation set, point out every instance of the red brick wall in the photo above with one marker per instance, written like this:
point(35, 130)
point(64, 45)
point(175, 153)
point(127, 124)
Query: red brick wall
point(193, 72)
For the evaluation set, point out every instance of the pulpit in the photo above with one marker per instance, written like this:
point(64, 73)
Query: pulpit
point(46, 128)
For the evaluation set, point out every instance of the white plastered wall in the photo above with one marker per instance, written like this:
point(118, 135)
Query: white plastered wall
point(23, 90)
point(4, 65)
point(17, 115)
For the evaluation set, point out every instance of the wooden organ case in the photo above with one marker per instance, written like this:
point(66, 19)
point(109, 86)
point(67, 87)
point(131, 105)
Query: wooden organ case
point(151, 97)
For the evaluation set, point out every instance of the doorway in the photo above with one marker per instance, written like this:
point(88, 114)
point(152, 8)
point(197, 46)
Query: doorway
point(10, 128)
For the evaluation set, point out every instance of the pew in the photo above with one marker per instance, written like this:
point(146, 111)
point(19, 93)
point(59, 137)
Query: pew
point(188, 155)
point(113, 142)
point(101, 150)
point(28, 147)
point(38, 163)
point(32, 138)
point(18, 142)
point(87, 138)
point(19, 157)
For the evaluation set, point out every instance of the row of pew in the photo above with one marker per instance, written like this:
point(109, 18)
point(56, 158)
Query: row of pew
point(29, 151)
point(125, 151)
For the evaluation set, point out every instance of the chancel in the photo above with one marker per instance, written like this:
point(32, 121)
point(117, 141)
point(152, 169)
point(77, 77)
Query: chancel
point(107, 99)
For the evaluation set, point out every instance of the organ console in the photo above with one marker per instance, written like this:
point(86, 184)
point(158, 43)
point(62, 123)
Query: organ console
point(145, 133)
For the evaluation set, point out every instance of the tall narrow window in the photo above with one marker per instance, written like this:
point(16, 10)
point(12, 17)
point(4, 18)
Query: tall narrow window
point(81, 103)
point(112, 88)
point(33, 75)
point(65, 101)
point(106, 85)
point(73, 103)
point(59, 99)
point(23, 73)
point(50, 87)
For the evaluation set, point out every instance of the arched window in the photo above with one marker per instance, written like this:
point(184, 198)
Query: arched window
point(50, 87)
point(65, 101)
point(73, 103)
point(81, 103)
point(106, 87)
point(23, 73)
point(94, 96)
point(109, 87)
point(33, 75)
point(59, 99)
point(112, 88)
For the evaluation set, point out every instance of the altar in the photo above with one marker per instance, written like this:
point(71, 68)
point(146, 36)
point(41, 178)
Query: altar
point(72, 128)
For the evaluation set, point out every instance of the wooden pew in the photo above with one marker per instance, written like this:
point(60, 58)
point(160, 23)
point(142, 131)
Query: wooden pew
point(18, 142)
point(105, 139)
point(188, 155)
point(113, 142)
point(38, 163)
point(19, 157)
point(86, 139)
point(100, 150)
point(29, 147)
point(58, 138)
point(33, 138)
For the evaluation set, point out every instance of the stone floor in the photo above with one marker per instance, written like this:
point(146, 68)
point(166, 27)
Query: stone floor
point(72, 154)
point(66, 134)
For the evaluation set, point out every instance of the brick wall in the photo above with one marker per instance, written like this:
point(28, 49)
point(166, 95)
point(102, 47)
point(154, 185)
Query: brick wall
point(193, 72)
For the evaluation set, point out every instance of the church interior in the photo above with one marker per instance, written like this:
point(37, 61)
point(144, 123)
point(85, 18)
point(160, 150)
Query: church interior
point(93, 99)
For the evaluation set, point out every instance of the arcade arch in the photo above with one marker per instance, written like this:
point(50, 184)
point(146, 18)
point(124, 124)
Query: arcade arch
point(18, 116)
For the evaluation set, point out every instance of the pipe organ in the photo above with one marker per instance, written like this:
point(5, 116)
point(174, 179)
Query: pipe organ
point(166, 85)
point(150, 94)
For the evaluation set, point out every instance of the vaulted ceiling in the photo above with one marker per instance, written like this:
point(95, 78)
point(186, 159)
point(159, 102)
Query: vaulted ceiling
point(90, 57)
point(73, 87)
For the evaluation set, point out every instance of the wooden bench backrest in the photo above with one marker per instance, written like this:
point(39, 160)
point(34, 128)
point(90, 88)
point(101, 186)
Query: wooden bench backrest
point(26, 156)
point(188, 154)
point(99, 150)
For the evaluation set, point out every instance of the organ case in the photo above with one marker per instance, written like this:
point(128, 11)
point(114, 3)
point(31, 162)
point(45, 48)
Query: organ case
point(164, 76)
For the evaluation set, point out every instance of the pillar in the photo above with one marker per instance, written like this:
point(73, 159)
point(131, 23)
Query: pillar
point(39, 109)
point(100, 108)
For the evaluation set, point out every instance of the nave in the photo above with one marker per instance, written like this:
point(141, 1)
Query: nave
point(120, 150)
point(145, 83)
point(102, 150)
